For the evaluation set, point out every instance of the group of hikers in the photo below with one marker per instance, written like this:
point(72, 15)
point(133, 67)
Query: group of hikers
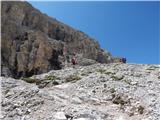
point(74, 61)
point(72, 58)
point(122, 60)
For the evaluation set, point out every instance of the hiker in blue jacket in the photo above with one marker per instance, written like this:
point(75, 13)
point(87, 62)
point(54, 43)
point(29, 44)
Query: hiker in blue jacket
point(123, 60)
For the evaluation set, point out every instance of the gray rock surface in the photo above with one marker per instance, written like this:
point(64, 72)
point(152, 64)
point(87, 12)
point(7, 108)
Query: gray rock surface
point(95, 92)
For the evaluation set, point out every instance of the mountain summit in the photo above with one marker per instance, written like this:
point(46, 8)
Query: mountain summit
point(34, 43)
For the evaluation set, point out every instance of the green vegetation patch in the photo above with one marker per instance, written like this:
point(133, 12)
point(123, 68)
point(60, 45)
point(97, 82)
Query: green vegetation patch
point(140, 109)
point(31, 80)
point(51, 77)
point(102, 71)
point(127, 81)
point(73, 77)
point(119, 100)
point(84, 74)
point(109, 73)
point(117, 78)
point(43, 82)
point(112, 90)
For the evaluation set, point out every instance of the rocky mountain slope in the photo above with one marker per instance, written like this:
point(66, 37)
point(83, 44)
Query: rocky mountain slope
point(95, 92)
point(34, 43)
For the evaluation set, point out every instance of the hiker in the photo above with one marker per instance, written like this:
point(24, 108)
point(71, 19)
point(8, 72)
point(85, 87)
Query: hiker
point(123, 60)
point(74, 61)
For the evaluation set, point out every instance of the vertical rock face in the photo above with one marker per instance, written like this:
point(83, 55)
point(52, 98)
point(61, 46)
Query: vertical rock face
point(32, 42)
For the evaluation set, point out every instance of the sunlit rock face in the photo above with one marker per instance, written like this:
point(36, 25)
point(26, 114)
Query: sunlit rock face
point(33, 43)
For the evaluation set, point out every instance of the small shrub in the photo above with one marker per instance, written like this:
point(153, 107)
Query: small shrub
point(119, 100)
point(7, 91)
point(73, 78)
point(94, 91)
point(89, 72)
point(141, 109)
point(51, 77)
point(83, 74)
point(102, 77)
point(113, 95)
point(109, 73)
point(41, 84)
point(127, 81)
point(55, 83)
point(131, 114)
point(112, 90)
point(86, 73)
point(117, 78)
point(30, 80)
point(101, 71)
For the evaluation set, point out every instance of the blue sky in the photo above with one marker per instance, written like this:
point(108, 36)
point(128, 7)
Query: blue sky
point(126, 29)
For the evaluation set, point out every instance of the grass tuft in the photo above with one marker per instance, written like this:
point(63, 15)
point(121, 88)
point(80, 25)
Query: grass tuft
point(102, 71)
point(117, 78)
point(73, 78)
point(140, 109)
point(51, 77)
point(31, 80)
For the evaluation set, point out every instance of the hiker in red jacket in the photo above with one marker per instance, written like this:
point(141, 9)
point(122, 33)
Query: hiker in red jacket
point(74, 61)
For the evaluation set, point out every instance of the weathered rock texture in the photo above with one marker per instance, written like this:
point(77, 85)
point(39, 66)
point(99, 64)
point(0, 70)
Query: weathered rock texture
point(96, 92)
point(33, 43)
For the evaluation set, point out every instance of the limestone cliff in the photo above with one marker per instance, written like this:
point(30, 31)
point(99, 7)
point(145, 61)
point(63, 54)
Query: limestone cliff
point(33, 42)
